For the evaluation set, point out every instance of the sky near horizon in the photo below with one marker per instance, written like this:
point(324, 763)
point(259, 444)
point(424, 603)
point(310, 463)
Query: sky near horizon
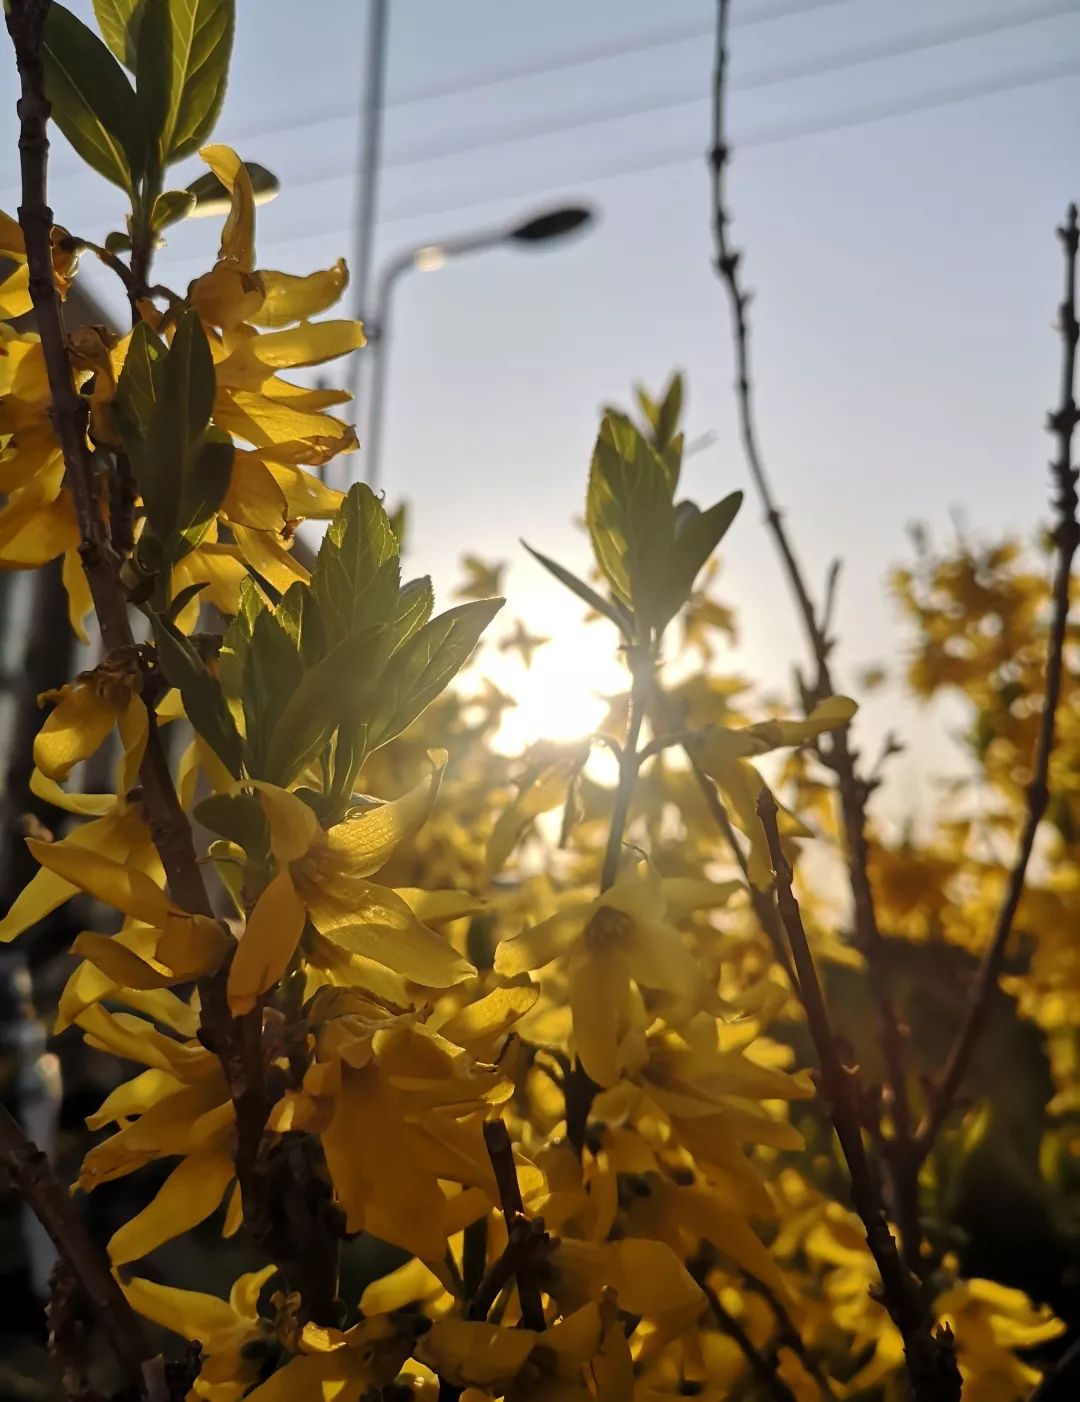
point(903, 261)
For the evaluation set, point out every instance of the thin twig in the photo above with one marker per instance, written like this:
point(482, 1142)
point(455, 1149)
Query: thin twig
point(1062, 424)
point(852, 790)
point(525, 1239)
point(762, 901)
point(930, 1355)
point(1056, 1374)
point(55, 1210)
point(789, 1336)
point(763, 1370)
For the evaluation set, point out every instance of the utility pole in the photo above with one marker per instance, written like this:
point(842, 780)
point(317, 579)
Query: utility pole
point(367, 181)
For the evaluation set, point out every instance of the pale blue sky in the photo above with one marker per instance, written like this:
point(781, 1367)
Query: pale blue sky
point(906, 268)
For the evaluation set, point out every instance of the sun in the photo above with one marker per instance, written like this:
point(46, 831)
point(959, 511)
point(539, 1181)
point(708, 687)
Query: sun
point(561, 694)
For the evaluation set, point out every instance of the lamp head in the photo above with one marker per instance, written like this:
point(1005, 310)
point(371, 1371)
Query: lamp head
point(552, 224)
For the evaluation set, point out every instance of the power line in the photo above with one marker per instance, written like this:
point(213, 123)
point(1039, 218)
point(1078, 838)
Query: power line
point(580, 58)
point(494, 78)
point(779, 134)
point(797, 130)
point(852, 58)
point(873, 53)
point(882, 51)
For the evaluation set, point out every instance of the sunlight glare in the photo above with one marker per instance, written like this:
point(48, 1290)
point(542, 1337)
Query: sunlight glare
point(561, 696)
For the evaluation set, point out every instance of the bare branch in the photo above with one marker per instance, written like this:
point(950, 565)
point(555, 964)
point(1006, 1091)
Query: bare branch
point(930, 1354)
point(853, 792)
point(789, 1336)
point(1062, 423)
point(525, 1239)
point(763, 1368)
point(55, 1210)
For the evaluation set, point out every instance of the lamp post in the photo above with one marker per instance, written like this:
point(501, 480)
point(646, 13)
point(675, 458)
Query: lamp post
point(428, 257)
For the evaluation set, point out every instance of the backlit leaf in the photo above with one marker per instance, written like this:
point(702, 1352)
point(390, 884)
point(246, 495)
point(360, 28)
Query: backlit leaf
point(92, 101)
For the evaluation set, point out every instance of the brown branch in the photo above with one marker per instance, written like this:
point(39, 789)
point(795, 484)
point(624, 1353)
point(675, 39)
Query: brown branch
point(55, 1210)
point(853, 792)
point(764, 907)
point(170, 829)
point(789, 1336)
point(762, 1368)
point(930, 1355)
point(1062, 424)
point(525, 1239)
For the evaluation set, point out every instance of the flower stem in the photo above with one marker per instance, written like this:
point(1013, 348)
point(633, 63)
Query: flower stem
point(581, 1089)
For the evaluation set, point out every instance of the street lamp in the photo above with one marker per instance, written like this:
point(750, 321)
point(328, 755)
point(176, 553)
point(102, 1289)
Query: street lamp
point(428, 257)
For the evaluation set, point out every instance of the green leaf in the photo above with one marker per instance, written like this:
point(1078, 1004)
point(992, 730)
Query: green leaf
point(212, 198)
point(357, 573)
point(630, 514)
point(92, 101)
point(237, 639)
point(238, 817)
point(322, 701)
point(669, 413)
point(415, 602)
point(425, 665)
point(138, 388)
point(168, 466)
point(118, 242)
point(701, 533)
point(118, 21)
point(182, 66)
point(170, 208)
point(180, 601)
point(273, 671)
point(200, 693)
point(205, 482)
point(299, 615)
point(579, 587)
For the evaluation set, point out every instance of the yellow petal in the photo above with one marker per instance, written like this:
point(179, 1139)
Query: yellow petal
point(35, 528)
point(244, 1296)
point(189, 1313)
point(75, 729)
point(363, 843)
point(269, 941)
point(124, 888)
point(135, 1039)
point(47, 890)
point(290, 298)
point(80, 600)
point(411, 1282)
point(466, 1352)
point(539, 944)
point(191, 1192)
point(264, 552)
point(305, 494)
point(12, 243)
point(649, 1277)
point(238, 235)
point(119, 963)
point(437, 907)
point(15, 297)
point(191, 945)
point(134, 726)
point(254, 498)
point(380, 1181)
point(479, 1024)
point(599, 984)
point(293, 825)
point(381, 927)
